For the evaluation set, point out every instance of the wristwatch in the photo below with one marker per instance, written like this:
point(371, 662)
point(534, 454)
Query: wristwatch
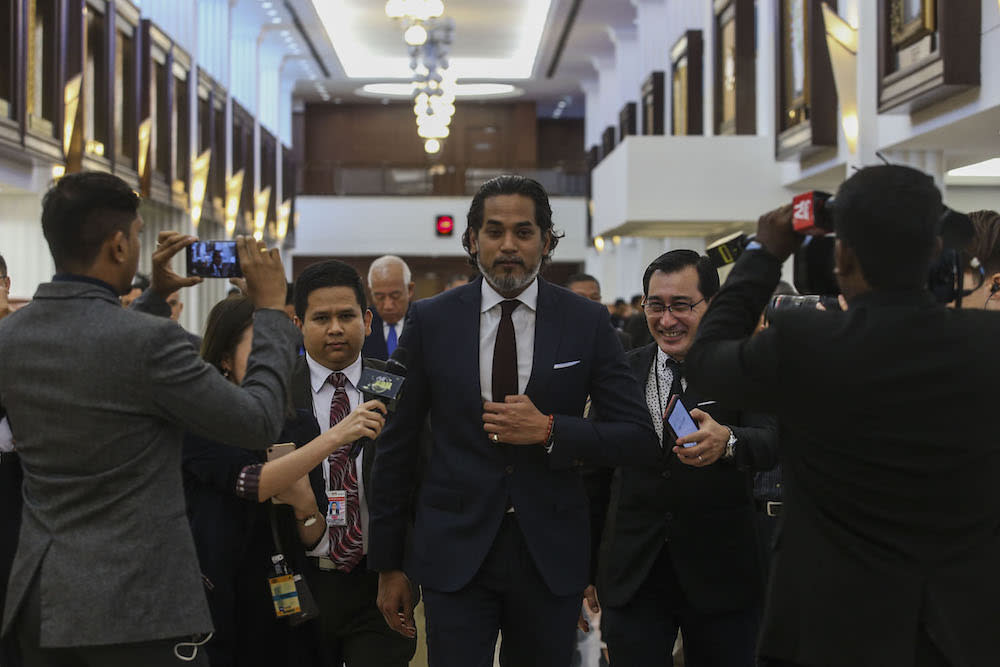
point(730, 452)
point(309, 520)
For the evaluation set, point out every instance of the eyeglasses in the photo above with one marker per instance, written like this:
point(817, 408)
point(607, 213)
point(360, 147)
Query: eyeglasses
point(679, 308)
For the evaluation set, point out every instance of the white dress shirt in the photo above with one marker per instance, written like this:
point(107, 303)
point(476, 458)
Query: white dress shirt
point(322, 392)
point(6, 437)
point(523, 318)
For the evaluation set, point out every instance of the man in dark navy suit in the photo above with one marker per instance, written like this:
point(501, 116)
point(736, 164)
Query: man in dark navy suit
point(391, 285)
point(503, 367)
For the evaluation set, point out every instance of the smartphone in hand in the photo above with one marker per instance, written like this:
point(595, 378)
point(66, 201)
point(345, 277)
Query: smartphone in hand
point(678, 420)
point(213, 259)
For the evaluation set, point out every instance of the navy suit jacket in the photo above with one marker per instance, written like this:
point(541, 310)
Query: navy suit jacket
point(375, 347)
point(466, 485)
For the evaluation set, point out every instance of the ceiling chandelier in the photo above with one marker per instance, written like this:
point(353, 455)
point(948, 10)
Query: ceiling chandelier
point(428, 37)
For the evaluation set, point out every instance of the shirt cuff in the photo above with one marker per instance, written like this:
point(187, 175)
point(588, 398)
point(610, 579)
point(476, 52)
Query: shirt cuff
point(323, 548)
point(248, 482)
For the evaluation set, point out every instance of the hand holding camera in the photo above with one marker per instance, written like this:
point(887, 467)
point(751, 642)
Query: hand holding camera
point(776, 234)
point(263, 271)
point(164, 280)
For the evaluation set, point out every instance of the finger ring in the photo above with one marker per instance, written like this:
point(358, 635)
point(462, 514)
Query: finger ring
point(495, 437)
point(699, 457)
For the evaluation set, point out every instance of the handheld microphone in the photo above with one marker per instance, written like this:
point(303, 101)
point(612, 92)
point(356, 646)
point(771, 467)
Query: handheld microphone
point(811, 213)
point(384, 381)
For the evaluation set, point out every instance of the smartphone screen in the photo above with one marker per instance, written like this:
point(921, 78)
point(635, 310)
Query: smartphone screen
point(680, 420)
point(213, 259)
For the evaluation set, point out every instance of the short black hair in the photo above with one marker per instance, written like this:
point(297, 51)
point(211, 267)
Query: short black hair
point(290, 294)
point(678, 260)
point(636, 300)
point(511, 184)
point(619, 302)
point(329, 273)
point(3, 265)
point(582, 278)
point(889, 216)
point(81, 211)
point(140, 282)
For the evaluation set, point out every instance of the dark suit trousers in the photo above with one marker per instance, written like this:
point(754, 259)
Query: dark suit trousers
point(507, 594)
point(643, 632)
point(155, 653)
point(10, 524)
point(353, 629)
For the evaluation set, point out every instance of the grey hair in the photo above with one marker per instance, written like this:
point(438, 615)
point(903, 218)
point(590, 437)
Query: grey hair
point(383, 263)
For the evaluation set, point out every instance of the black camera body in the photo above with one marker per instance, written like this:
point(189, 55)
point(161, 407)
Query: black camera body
point(813, 264)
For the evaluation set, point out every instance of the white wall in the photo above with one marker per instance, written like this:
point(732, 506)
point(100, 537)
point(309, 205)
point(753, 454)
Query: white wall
point(346, 226)
point(22, 244)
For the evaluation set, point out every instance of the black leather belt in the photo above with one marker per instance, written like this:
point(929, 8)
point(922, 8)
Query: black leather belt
point(769, 507)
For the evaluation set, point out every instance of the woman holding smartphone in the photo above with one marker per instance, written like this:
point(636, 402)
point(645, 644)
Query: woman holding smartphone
point(236, 527)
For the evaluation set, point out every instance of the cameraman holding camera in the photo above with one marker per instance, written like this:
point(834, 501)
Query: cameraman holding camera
point(890, 541)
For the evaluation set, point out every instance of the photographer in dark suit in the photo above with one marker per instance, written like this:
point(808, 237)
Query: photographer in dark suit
point(889, 545)
point(678, 549)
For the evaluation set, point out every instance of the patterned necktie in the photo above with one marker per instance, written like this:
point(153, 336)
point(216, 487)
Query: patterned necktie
point(346, 543)
point(390, 340)
point(505, 354)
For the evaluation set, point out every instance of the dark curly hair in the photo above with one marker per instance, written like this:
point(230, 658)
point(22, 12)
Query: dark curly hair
point(512, 184)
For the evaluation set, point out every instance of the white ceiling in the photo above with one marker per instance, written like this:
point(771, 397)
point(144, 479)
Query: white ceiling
point(485, 29)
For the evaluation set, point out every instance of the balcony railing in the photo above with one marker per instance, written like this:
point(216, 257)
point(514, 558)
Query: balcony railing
point(335, 178)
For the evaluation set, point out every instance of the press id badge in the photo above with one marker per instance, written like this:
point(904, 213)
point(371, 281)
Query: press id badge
point(285, 595)
point(336, 514)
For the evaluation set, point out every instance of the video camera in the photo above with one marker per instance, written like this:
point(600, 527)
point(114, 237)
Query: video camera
point(812, 216)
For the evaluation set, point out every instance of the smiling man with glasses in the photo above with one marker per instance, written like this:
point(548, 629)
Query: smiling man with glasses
point(678, 549)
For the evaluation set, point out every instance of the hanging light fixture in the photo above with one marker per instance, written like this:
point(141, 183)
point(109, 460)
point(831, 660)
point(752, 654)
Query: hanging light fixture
point(428, 37)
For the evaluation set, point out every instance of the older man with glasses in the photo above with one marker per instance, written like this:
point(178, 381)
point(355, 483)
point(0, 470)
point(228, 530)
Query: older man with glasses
point(678, 549)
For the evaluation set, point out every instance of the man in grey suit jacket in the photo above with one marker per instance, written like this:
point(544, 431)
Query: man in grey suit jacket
point(98, 398)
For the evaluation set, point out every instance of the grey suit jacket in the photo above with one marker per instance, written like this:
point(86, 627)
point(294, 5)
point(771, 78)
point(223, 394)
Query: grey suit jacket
point(98, 398)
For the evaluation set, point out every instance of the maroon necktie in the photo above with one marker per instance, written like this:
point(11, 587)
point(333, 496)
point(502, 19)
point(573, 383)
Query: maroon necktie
point(346, 543)
point(505, 354)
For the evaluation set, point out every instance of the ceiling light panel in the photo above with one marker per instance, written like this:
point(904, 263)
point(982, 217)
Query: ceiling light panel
point(495, 40)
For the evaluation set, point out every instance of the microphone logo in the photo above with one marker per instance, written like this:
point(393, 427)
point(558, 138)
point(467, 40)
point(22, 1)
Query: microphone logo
point(381, 385)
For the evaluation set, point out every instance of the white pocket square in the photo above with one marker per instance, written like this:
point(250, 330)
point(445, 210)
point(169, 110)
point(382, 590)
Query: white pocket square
point(565, 364)
point(703, 403)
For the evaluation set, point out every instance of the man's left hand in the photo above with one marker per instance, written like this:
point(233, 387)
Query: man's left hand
point(164, 280)
point(515, 422)
point(711, 438)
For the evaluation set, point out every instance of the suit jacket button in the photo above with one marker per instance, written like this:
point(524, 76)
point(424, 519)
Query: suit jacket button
point(666, 474)
point(509, 469)
point(670, 516)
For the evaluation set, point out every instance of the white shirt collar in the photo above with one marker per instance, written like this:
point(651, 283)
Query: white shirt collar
point(529, 297)
point(318, 373)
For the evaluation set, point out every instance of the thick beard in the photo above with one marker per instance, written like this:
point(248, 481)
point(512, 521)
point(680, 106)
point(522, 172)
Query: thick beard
point(508, 284)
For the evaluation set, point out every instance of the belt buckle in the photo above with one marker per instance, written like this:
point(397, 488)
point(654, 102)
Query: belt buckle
point(773, 507)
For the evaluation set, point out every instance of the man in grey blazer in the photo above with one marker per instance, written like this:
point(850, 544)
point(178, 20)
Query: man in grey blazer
point(98, 398)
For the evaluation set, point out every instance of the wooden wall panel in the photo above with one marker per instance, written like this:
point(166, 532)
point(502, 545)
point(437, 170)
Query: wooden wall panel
point(373, 134)
point(561, 142)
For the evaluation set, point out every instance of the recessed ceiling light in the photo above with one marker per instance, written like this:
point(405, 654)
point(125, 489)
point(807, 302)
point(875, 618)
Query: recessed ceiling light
point(265, 5)
point(276, 19)
point(461, 90)
point(285, 33)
